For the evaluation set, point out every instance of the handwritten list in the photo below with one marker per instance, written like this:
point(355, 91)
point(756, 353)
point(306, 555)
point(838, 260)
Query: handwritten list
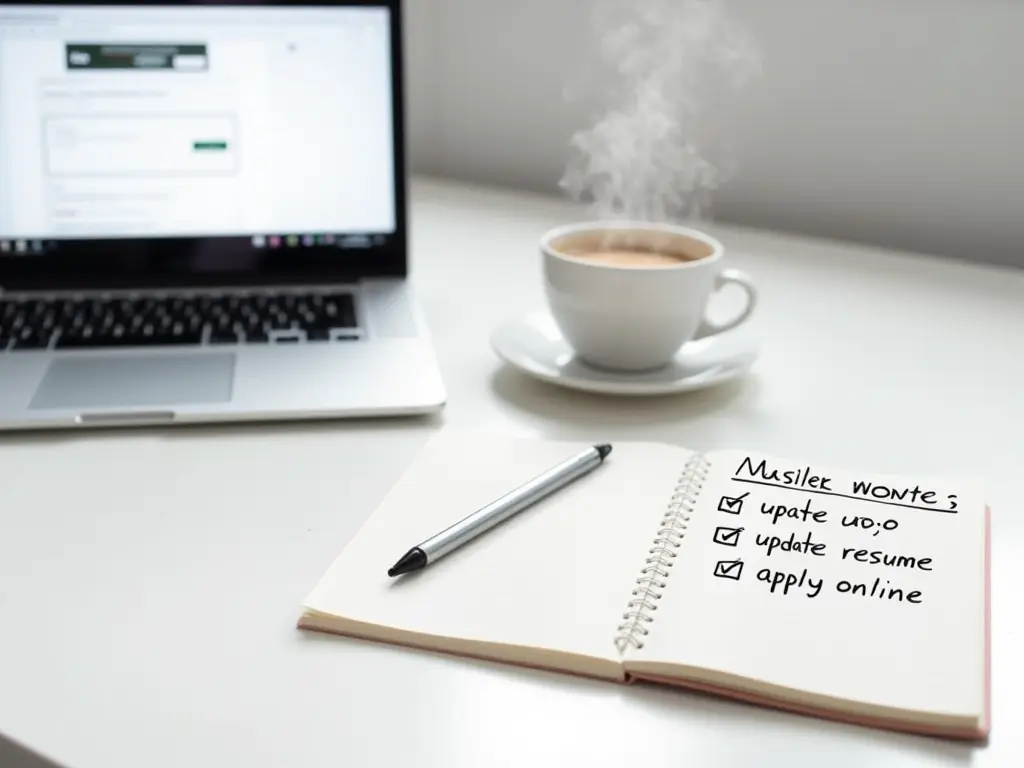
point(857, 586)
point(790, 543)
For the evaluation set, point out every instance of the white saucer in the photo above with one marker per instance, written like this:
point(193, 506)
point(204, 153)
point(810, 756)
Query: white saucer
point(533, 344)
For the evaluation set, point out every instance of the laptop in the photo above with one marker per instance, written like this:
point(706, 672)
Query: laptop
point(202, 215)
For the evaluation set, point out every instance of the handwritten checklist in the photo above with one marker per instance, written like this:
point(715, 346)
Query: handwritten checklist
point(732, 505)
point(849, 585)
point(804, 533)
point(729, 569)
point(727, 537)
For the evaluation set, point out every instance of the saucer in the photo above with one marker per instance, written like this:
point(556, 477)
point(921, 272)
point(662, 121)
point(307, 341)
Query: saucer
point(533, 344)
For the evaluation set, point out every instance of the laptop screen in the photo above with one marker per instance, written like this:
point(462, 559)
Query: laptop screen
point(273, 125)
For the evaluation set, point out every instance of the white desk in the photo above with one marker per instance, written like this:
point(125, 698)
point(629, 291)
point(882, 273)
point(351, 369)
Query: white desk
point(150, 580)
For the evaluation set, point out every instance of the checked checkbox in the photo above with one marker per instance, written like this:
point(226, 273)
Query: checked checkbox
point(729, 537)
point(732, 504)
point(729, 569)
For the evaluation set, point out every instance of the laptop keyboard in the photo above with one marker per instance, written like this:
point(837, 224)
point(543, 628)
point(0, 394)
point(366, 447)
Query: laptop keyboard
point(187, 319)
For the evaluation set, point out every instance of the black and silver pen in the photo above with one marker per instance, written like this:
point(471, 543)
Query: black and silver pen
point(481, 521)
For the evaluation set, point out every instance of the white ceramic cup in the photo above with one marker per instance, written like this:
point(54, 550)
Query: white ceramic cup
point(628, 317)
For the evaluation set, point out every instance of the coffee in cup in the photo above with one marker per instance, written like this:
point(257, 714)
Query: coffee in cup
point(626, 258)
point(629, 295)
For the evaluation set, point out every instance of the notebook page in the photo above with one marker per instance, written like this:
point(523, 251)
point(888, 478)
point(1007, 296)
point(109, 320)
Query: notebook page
point(845, 584)
point(553, 577)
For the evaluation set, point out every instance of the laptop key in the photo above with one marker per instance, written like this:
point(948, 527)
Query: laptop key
point(27, 338)
point(74, 340)
point(188, 336)
point(223, 337)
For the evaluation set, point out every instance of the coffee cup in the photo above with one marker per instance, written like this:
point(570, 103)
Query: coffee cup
point(628, 295)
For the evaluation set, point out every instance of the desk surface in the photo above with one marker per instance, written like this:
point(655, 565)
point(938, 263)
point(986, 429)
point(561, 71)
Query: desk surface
point(151, 579)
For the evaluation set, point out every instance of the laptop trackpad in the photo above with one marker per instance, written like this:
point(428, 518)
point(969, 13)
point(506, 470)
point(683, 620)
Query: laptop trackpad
point(97, 381)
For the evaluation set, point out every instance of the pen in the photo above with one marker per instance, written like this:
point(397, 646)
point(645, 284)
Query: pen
point(485, 518)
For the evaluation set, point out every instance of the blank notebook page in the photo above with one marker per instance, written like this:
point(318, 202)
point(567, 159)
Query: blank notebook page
point(556, 576)
point(832, 629)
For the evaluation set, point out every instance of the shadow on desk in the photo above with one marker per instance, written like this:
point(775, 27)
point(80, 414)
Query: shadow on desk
point(780, 733)
point(552, 402)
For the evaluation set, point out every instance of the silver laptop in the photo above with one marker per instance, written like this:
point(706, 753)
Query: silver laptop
point(202, 215)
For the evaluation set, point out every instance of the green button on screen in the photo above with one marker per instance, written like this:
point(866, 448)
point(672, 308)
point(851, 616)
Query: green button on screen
point(205, 146)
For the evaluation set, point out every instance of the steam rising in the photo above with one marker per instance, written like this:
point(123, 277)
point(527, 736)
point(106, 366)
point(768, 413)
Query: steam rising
point(666, 63)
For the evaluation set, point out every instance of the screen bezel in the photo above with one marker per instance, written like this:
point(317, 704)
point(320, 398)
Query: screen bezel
point(178, 262)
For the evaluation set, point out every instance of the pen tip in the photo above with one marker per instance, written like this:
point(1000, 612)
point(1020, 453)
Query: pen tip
point(604, 450)
point(412, 560)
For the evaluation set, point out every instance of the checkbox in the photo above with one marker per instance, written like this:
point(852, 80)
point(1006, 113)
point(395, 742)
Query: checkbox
point(730, 537)
point(732, 504)
point(729, 569)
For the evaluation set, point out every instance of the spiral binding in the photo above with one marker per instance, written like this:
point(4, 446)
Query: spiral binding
point(657, 568)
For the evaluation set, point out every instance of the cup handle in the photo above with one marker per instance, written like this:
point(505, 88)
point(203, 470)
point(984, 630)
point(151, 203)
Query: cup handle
point(742, 279)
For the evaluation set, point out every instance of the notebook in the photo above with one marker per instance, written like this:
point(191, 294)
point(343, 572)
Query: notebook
point(838, 593)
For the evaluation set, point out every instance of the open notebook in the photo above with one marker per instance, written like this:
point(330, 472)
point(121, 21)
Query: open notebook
point(842, 594)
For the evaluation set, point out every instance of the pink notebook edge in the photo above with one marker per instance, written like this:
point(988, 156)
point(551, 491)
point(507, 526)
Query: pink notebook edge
point(979, 734)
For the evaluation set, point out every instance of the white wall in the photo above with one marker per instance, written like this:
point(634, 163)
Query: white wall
point(422, 33)
point(896, 122)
